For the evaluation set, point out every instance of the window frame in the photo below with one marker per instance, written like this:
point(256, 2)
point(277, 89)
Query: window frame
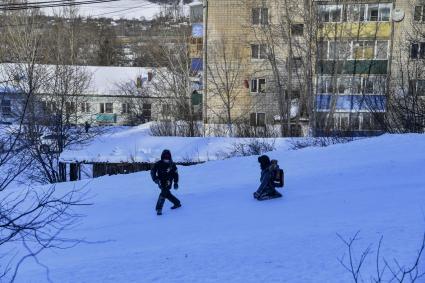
point(85, 107)
point(125, 108)
point(147, 111)
point(420, 50)
point(354, 85)
point(330, 45)
point(263, 16)
point(105, 109)
point(421, 14)
point(6, 110)
point(256, 119)
point(356, 12)
point(255, 84)
point(297, 29)
point(415, 83)
point(261, 52)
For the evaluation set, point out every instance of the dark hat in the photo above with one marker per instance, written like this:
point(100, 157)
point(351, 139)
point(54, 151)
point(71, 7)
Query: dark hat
point(166, 154)
point(264, 160)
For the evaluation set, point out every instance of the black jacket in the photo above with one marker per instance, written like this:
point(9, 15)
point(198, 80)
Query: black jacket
point(165, 173)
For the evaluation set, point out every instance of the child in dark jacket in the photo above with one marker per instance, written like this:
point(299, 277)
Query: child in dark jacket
point(266, 190)
point(164, 173)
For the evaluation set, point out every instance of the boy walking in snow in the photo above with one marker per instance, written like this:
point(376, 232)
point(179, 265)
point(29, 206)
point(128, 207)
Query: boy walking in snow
point(164, 173)
point(267, 189)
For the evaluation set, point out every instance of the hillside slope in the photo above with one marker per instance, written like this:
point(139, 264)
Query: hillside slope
point(221, 234)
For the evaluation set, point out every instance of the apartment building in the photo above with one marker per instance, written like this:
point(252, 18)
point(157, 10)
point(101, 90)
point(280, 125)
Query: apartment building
point(322, 66)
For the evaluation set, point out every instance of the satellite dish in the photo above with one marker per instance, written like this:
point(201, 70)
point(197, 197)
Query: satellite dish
point(398, 15)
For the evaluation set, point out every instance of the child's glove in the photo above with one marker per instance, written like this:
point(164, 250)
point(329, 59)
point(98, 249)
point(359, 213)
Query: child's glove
point(176, 186)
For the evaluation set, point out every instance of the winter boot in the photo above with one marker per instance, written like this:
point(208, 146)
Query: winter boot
point(176, 206)
point(159, 212)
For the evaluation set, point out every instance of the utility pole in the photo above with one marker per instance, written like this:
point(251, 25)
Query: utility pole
point(205, 64)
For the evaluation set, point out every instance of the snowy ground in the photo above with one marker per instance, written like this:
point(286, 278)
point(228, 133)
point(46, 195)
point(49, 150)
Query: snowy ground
point(221, 234)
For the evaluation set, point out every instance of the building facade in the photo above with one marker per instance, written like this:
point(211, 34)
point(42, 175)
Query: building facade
point(314, 67)
point(108, 96)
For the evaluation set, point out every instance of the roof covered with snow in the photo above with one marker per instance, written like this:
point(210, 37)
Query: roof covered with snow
point(135, 144)
point(102, 80)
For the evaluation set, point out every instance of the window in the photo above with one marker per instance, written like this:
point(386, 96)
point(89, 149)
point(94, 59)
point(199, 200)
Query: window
point(297, 63)
point(330, 13)
point(381, 50)
point(258, 51)
point(125, 108)
point(323, 50)
point(109, 108)
point(49, 107)
point(260, 16)
point(417, 50)
point(419, 14)
point(147, 111)
point(349, 85)
point(417, 87)
point(356, 12)
point(70, 107)
point(106, 108)
point(339, 50)
point(373, 12)
point(363, 49)
point(166, 109)
point(368, 12)
point(343, 50)
point(368, 86)
point(196, 43)
point(385, 12)
point(326, 85)
point(366, 121)
point(258, 119)
point(258, 85)
point(343, 85)
point(85, 107)
point(356, 85)
point(6, 107)
point(297, 29)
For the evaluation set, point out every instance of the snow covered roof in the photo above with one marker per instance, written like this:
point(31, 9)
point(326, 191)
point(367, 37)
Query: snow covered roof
point(106, 80)
point(135, 144)
point(103, 80)
point(127, 9)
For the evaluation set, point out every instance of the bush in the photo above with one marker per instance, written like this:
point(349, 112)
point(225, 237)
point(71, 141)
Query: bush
point(178, 128)
point(248, 148)
point(296, 144)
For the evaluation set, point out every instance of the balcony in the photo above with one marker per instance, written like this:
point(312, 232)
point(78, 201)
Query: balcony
point(378, 30)
point(376, 67)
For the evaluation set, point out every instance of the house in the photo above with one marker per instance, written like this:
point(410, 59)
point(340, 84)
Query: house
point(96, 95)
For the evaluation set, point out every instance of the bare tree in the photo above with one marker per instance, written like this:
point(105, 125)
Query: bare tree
point(173, 82)
point(54, 92)
point(225, 69)
point(284, 31)
point(396, 272)
point(33, 219)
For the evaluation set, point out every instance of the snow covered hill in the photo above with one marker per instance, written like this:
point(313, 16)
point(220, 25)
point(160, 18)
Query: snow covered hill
point(221, 234)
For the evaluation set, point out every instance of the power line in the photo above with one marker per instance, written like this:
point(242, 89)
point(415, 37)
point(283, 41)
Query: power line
point(146, 5)
point(13, 7)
